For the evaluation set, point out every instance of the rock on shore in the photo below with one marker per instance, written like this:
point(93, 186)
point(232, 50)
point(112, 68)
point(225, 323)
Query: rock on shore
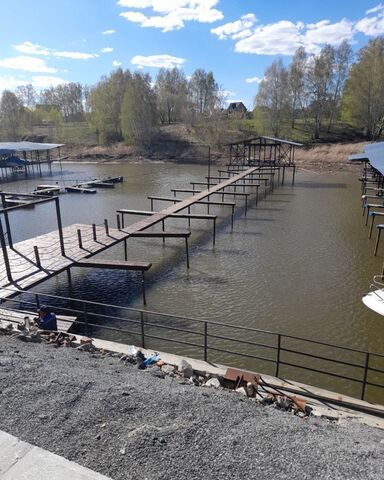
point(129, 424)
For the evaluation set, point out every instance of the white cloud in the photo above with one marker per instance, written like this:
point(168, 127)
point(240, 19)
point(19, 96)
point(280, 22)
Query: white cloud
point(29, 64)
point(375, 9)
point(273, 39)
point(10, 83)
point(283, 37)
point(31, 49)
point(371, 26)
point(115, 63)
point(234, 29)
point(253, 80)
point(45, 81)
point(171, 15)
point(157, 61)
point(34, 49)
point(327, 32)
point(38, 81)
point(75, 55)
point(108, 32)
point(106, 50)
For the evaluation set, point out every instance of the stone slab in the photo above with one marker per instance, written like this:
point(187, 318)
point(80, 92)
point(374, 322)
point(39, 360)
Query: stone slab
point(22, 461)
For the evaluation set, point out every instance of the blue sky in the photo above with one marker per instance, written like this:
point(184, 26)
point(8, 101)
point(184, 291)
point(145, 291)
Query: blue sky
point(46, 42)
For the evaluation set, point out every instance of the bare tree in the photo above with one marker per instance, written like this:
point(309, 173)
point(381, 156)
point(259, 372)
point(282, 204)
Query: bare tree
point(27, 95)
point(11, 115)
point(320, 78)
point(203, 91)
point(342, 61)
point(272, 96)
point(171, 92)
point(296, 83)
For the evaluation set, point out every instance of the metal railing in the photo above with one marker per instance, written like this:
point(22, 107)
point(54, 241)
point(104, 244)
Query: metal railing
point(275, 353)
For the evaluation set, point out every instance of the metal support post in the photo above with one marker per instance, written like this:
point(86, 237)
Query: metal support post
point(37, 256)
point(142, 326)
point(5, 253)
point(79, 238)
point(143, 287)
point(187, 251)
point(60, 226)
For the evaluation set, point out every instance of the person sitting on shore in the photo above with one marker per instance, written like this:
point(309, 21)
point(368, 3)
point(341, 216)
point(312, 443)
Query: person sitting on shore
point(46, 320)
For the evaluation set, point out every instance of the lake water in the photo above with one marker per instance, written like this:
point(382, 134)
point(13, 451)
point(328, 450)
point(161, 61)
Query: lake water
point(297, 264)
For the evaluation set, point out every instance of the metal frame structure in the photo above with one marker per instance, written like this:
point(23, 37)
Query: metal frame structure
point(262, 150)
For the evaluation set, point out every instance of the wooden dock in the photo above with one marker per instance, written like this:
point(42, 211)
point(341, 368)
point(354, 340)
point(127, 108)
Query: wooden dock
point(32, 261)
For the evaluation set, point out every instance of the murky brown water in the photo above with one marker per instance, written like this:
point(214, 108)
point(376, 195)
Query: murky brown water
point(298, 264)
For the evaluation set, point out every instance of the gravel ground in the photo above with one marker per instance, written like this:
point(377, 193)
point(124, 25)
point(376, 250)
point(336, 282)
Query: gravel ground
point(131, 424)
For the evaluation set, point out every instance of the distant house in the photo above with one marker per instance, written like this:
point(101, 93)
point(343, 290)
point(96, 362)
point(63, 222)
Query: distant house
point(237, 107)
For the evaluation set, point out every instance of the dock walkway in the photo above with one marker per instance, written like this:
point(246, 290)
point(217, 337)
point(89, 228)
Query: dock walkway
point(28, 269)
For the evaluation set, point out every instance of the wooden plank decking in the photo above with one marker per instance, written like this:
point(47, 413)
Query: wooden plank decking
point(24, 266)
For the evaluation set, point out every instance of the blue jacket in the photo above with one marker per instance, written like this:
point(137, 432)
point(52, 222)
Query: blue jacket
point(48, 322)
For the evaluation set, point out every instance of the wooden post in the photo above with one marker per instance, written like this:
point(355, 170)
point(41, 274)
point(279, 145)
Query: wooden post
point(118, 222)
point(94, 232)
point(214, 230)
point(293, 175)
point(106, 227)
point(163, 227)
point(125, 250)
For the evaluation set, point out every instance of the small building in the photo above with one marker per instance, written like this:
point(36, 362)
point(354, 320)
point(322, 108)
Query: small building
point(238, 108)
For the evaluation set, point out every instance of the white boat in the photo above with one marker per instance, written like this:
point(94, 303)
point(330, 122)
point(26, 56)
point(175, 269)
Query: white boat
point(375, 299)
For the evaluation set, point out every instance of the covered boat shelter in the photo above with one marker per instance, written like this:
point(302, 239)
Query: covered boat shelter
point(27, 157)
point(257, 150)
point(263, 151)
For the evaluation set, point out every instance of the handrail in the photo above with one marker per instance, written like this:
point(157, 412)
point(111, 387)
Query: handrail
point(145, 322)
point(192, 319)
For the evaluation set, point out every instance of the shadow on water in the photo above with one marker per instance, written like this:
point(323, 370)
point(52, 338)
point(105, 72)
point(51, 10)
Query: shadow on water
point(322, 185)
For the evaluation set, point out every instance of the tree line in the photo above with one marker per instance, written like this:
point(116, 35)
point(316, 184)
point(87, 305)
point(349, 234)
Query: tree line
point(316, 90)
point(314, 93)
point(121, 106)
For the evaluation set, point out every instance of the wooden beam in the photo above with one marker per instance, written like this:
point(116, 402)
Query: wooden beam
point(148, 213)
point(203, 202)
point(161, 234)
point(113, 264)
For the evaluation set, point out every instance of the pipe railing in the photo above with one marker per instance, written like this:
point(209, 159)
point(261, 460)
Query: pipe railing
point(310, 355)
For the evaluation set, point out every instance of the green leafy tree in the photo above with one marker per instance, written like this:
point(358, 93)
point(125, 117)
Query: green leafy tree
point(363, 99)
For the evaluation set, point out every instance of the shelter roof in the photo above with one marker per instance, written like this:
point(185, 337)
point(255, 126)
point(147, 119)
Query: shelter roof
point(374, 153)
point(271, 139)
point(12, 147)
